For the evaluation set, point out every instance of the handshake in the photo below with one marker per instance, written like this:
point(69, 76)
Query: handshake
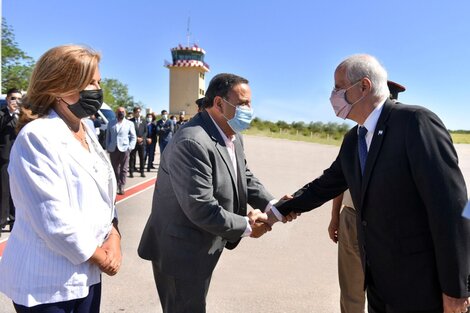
point(261, 222)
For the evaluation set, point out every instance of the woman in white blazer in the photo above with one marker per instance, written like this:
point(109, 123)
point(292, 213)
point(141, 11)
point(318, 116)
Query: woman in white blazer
point(63, 188)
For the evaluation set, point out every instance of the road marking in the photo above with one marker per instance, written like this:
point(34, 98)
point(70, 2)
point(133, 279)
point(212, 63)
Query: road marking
point(129, 193)
point(3, 244)
point(135, 190)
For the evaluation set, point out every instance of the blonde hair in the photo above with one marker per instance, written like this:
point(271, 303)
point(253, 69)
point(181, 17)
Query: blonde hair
point(62, 70)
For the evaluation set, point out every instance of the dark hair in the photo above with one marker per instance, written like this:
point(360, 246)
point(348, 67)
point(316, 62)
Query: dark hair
point(220, 85)
point(136, 108)
point(200, 102)
point(163, 111)
point(12, 90)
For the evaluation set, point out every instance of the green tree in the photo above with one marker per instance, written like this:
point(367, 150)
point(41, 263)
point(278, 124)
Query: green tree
point(283, 125)
point(116, 94)
point(16, 64)
point(316, 127)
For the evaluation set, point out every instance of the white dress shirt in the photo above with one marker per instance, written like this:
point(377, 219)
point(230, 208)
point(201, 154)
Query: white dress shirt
point(64, 198)
point(371, 122)
point(231, 151)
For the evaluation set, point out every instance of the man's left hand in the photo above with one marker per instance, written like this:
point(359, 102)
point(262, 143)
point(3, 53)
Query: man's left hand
point(455, 305)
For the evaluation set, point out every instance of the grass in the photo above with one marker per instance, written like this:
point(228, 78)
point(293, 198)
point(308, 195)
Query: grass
point(458, 138)
point(326, 140)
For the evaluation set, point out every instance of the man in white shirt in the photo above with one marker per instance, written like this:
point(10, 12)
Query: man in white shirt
point(120, 141)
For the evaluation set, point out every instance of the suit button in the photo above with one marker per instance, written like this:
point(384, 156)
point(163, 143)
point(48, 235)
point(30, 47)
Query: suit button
point(364, 223)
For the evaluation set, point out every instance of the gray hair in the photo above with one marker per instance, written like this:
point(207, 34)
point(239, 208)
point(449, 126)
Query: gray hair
point(359, 66)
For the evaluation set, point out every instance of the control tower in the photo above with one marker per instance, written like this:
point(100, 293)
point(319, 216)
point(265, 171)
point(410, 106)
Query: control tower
point(187, 79)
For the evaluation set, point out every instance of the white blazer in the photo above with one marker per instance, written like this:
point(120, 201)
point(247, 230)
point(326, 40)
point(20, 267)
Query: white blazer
point(64, 199)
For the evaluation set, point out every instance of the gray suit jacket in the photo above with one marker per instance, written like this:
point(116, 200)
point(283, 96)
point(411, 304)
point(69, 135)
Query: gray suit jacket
point(198, 206)
point(124, 139)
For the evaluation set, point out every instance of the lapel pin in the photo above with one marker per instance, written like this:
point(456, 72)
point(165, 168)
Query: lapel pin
point(381, 132)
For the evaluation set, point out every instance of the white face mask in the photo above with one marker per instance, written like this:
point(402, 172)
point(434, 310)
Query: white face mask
point(149, 119)
point(340, 105)
point(164, 117)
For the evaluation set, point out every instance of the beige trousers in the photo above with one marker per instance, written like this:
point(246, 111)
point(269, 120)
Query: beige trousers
point(350, 273)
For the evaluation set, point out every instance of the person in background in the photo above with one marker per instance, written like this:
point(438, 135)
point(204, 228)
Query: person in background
point(120, 141)
point(180, 122)
point(93, 123)
point(151, 140)
point(181, 119)
point(61, 181)
point(200, 104)
point(8, 120)
point(343, 231)
point(165, 130)
point(141, 133)
point(174, 121)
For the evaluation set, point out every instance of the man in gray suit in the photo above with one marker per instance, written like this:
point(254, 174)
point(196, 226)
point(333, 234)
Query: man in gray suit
point(201, 196)
point(120, 141)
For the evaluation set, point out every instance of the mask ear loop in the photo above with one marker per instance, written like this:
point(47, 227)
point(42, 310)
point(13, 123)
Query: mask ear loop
point(221, 108)
point(61, 99)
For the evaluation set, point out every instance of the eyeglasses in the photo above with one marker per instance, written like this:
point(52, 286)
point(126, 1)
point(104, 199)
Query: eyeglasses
point(350, 86)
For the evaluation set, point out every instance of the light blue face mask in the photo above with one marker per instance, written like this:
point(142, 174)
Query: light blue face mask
point(242, 118)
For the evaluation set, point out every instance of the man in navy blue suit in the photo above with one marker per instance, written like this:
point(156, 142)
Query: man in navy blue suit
point(402, 170)
point(165, 130)
point(141, 132)
point(8, 120)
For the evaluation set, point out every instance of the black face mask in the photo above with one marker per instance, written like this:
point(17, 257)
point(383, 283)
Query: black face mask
point(120, 115)
point(89, 103)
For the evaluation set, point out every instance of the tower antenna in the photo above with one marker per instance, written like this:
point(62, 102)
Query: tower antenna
point(188, 33)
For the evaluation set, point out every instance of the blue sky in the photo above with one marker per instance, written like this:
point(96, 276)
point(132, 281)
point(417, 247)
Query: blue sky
point(287, 49)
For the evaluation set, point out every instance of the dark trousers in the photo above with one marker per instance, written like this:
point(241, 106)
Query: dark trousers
point(89, 304)
point(181, 296)
point(150, 155)
point(120, 163)
point(376, 303)
point(7, 209)
point(139, 149)
point(162, 146)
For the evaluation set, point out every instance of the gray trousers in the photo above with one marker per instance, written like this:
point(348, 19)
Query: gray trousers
point(120, 163)
point(181, 295)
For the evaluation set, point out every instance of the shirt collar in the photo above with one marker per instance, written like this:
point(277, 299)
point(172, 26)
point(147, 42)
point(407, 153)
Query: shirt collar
point(224, 137)
point(371, 122)
point(14, 112)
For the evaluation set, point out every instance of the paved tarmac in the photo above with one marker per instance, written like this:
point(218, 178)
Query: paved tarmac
point(291, 269)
